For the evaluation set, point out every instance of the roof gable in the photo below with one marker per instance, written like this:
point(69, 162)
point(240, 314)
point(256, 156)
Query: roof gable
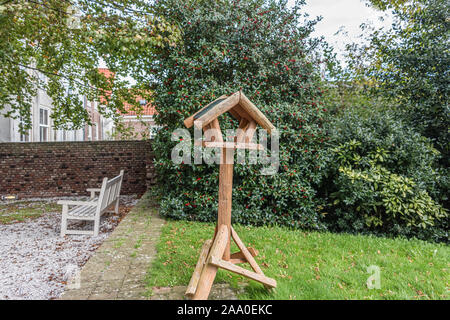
point(237, 104)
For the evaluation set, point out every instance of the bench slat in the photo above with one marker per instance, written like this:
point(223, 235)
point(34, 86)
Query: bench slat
point(82, 211)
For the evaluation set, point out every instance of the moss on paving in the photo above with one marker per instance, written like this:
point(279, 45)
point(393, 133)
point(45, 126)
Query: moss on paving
point(23, 210)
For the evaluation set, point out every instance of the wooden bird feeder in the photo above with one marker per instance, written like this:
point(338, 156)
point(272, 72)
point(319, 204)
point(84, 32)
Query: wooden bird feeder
point(216, 253)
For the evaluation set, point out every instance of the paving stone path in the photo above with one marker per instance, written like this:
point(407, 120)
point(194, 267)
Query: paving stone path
point(118, 268)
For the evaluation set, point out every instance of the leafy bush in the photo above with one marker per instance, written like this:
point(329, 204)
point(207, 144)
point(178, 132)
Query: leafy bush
point(263, 48)
point(383, 178)
point(409, 64)
point(377, 176)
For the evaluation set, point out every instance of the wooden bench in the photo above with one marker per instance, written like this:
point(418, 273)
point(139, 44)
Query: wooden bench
point(93, 209)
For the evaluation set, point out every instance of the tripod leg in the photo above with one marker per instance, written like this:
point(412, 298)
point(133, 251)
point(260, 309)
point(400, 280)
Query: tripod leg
point(192, 287)
point(245, 252)
point(209, 271)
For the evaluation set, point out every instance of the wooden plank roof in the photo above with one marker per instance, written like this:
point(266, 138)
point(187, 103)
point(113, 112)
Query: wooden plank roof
point(237, 103)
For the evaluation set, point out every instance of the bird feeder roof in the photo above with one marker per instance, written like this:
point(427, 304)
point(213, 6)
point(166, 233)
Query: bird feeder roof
point(239, 107)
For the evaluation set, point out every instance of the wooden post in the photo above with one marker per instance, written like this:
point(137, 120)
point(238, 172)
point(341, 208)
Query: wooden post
point(192, 287)
point(217, 133)
point(225, 194)
point(209, 271)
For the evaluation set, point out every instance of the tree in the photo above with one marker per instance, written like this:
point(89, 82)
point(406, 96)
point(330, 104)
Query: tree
point(410, 64)
point(387, 4)
point(264, 48)
point(65, 41)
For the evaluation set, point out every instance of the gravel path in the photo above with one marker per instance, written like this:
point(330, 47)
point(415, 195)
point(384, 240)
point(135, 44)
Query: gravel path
point(35, 261)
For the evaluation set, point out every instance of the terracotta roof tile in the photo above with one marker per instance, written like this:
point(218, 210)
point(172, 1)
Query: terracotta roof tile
point(106, 72)
point(148, 109)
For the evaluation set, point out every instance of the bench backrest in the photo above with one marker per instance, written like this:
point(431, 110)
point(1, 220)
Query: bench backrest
point(109, 192)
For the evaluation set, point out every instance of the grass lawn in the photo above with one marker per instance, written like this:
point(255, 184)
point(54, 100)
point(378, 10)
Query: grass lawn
point(20, 211)
point(311, 265)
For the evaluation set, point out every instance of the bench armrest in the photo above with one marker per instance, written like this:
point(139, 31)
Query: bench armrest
point(78, 203)
point(93, 191)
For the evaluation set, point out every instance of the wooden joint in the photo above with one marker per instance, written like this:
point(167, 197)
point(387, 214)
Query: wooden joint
point(240, 255)
point(219, 263)
point(238, 261)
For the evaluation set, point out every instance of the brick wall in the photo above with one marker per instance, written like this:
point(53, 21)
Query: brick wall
point(52, 169)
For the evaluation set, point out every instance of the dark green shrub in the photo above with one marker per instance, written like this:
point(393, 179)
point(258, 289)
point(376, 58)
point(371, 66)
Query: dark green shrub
point(263, 48)
point(409, 65)
point(383, 178)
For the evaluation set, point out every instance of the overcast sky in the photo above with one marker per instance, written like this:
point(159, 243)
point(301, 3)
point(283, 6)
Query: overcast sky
point(349, 14)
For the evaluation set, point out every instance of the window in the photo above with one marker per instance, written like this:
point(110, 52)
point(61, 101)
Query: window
point(43, 125)
point(70, 135)
point(99, 134)
point(153, 129)
point(24, 137)
point(94, 132)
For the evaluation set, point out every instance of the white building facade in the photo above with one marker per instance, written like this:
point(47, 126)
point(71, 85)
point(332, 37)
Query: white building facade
point(42, 129)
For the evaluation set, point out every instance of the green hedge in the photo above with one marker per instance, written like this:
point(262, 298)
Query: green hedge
point(384, 178)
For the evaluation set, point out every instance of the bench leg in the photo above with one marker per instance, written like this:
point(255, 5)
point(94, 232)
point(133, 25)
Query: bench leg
point(116, 208)
point(96, 226)
point(64, 221)
point(63, 226)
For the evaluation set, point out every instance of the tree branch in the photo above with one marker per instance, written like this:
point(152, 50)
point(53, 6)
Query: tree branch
point(54, 74)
